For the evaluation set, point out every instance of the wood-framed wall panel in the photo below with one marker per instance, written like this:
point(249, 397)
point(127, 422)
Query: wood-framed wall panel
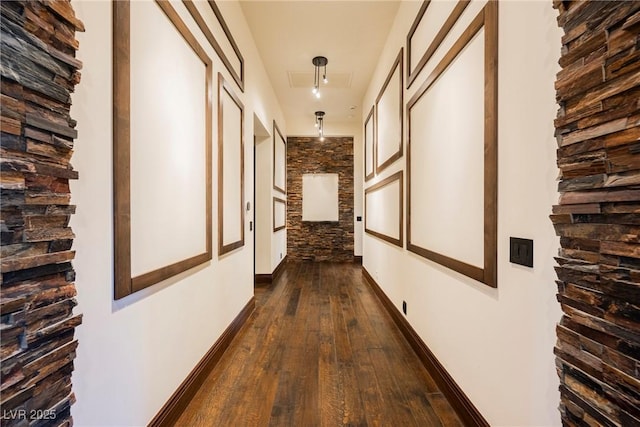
point(279, 226)
point(396, 177)
point(279, 161)
point(487, 19)
point(124, 284)
point(412, 73)
point(236, 74)
point(396, 154)
point(369, 145)
point(225, 90)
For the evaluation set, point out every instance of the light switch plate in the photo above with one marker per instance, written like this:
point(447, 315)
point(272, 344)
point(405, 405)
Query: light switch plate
point(521, 251)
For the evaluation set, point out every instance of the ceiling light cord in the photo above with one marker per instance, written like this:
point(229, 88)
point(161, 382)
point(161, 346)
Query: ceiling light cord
point(319, 61)
point(315, 81)
point(320, 124)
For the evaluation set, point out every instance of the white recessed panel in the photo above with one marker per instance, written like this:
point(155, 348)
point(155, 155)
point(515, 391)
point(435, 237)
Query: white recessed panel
point(389, 122)
point(383, 210)
point(232, 170)
point(279, 214)
point(168, 162)
point(447, 158)
point(320, 197)
point(279, 162)
point(369, 165)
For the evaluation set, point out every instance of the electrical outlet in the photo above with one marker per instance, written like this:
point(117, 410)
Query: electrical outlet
point(521, 251)
point(404, 307)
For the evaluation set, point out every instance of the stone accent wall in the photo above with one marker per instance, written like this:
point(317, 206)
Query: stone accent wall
point(598, 213)
point(39, 72)
point(319, 241)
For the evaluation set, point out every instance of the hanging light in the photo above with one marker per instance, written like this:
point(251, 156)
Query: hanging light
point(320, 124)
point(319, 62)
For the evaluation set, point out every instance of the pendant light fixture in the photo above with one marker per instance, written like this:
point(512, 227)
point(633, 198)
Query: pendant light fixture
point(320, 124)
point(318, 63)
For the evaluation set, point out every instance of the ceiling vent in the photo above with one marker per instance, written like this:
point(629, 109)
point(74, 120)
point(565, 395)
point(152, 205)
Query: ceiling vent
point(305, 80)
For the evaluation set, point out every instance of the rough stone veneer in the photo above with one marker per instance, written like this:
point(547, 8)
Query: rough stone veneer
point(598, 214)
point(39, 72)
point(320, 241)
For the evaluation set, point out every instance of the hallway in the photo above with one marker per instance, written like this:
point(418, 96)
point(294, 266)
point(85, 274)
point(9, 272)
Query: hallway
point(319, 350)
point(480, 159)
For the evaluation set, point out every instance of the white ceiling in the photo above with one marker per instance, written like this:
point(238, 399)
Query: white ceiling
point(351, 34)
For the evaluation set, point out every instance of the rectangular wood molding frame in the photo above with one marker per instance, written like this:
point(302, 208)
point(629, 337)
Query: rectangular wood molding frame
point(277, 226)
point(397, 65)
point(412, 73)
point(225, 88)
point(487, 19)
point(279, 173)
point(369, 121)
point(468, 413)
point(124, 284)
point(237, 75)
point(398, 176)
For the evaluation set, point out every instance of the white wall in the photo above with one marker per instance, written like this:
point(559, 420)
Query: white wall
point(135, 352)
point(264, 205)
point(496, 343)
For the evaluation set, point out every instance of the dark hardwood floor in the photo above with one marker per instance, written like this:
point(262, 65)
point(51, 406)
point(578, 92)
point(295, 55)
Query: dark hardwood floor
point(319, 351)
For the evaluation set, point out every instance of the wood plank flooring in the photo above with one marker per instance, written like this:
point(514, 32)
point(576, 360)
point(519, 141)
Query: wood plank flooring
point(319, 350)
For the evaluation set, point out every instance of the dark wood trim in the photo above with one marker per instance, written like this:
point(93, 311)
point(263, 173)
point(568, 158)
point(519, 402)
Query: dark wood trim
point(370, 116)
point(437, 40)
point(397, 65)
point(276, 131)
point(263, 278)
point(277, 227)
point(491, 144)
point(145, 280)
point(468, 270)
point(121, 149)
point(269, 278)
point(124, 284)
point(398, 176)
point(224, 87)
point(280, 268)
point(238, 76)
point(487, 274)
point(466, 36)
point(412, 31)
point(173, 408)
point(357, 259)
point(463, 406)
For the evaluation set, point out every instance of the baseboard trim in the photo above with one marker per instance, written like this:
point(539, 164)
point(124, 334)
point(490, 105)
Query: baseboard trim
point(270, 278)
point(279, 269)
point(171, 411)
point(357, 259)
point(465, 409)
point(263, 278)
